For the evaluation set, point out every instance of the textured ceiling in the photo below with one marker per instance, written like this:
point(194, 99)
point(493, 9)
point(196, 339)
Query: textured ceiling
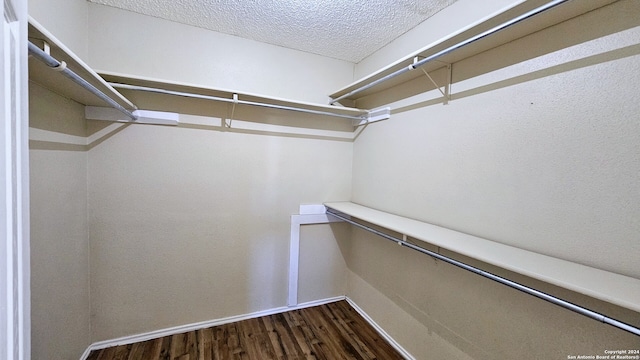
point(342, 29)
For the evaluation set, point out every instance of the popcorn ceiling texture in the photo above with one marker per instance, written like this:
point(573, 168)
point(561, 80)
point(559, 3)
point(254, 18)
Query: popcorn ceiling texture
point(343, 29)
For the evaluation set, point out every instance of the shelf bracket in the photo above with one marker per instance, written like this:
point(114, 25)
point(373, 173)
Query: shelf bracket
point(43, 45)
point(373, 116)
point(144, 116)
point(46, 48)
point(446, 93)
point(233, 109)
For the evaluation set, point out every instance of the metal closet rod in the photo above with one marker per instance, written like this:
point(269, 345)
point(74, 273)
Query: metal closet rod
point(56, 65)
point(459, 45)
point(512, 284)
point(234, 101)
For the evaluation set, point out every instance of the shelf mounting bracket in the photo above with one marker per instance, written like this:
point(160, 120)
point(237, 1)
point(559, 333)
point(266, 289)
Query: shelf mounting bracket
point(374, 115)
point(446, 93)
point(42, 44)
point(233, 110)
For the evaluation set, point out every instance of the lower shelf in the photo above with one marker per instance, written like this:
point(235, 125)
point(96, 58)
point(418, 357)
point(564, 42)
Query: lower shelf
point(600, 284)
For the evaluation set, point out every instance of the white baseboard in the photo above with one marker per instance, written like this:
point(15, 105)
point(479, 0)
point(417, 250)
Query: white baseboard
point(125, 340)
point(381, 331)
point(210, 323)
point(86, 353)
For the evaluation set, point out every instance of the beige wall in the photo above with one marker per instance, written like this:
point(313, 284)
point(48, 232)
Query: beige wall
point(192, 224)
point(188, 224)
point(67, 20)
point(436, 310)
point(322, 263)
point(59, 247)
point(131, 43)
point(195, 219)
point(539, 153)
point(60, 307)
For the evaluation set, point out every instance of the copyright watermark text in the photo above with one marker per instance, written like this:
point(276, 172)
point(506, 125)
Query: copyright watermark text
point(610, 354)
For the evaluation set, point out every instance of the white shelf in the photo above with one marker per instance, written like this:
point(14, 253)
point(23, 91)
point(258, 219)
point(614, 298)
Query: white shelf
point(536, 23)
point(54, 81)
point(600, 284)
point(219, 93)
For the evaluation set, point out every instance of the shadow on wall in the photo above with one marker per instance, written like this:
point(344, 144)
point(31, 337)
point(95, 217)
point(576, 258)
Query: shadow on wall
point(221, 110)
point(199, 115)
point(582, 30)
point(342, 233)
point(325, 276)
point(482, 318)
point(554, 70)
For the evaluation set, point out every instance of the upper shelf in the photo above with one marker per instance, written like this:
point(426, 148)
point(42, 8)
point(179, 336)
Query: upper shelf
point(133, 86)
point(52, 80)
point(600, 284)
point(518, 30)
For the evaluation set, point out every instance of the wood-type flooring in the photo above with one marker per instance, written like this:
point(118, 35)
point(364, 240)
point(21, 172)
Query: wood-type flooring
point(328, 332)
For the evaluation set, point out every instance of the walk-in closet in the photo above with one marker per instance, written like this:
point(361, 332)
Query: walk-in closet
point(461, 180)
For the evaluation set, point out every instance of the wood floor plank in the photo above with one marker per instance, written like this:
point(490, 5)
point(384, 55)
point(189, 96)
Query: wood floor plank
point(329, 332)
point(366, 332)
point(367, 337)
point(364, 339)
point(137, 351)
point(122, 352)
point(152, 349)
point(205, 340)
point(165, 349)
point(177, 345)
point(93, 355)
point(315, 342)
point(264, 348)
point(235, 343)
point(219, 343)
point(191, 347)
point(244, 340)
point(349, 338)
point(345, 345)
point(251, 340)
point(275, 339)
point(294, 326)
point(339, 347)
point(107, 354)
point(283, 338)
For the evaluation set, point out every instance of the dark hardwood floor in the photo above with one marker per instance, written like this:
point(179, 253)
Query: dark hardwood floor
point(333, 331)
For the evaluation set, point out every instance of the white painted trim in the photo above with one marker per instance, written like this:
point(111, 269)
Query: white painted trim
point(312, 209)
point(207, 324)
point(144, 116)
point(294, 245)
point(15, 302)
point(85, 354)
point(125, 340)
point(381, 331)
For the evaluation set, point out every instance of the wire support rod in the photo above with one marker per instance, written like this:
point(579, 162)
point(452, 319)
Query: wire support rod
point(452, 48)
point(512, 284)
point(56, 65)
point(234, 101)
